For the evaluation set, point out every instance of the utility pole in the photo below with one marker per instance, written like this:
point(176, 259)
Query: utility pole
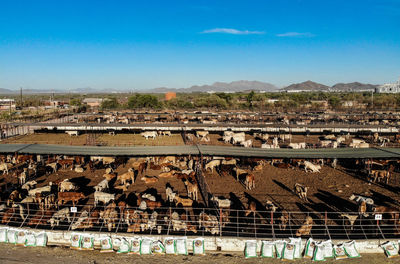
point(20, 94)
point(372, 95)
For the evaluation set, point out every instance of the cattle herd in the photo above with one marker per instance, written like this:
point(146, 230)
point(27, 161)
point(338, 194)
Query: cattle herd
point(212, 195)
point(167, 194)
point(242, 117)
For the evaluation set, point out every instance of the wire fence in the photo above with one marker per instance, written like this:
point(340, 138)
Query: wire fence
point(203, 221)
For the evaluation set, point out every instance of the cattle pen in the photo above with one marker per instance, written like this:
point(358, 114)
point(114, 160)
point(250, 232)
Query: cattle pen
point(338, 219)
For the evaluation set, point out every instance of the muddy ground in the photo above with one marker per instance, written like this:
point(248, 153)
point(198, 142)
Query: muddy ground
point(10, 254)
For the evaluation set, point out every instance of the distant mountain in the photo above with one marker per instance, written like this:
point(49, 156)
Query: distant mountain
point(237, 86)
point(353, 87)
point(306, 86)
point(6, 91)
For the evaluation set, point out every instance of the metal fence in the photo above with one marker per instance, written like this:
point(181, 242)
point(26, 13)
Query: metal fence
point(205, 222)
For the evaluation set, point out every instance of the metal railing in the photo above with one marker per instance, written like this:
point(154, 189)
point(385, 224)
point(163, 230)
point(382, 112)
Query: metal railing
point(205, 222)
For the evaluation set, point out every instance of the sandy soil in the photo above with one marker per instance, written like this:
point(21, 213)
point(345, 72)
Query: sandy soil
point(47, 138)
point(102, 139)
point(137, 139)
point(10, 254)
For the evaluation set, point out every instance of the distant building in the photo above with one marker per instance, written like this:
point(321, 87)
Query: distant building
point(389, 88)
point(169, 96)
point(54, 104)
point(5, 104)
point(93, 102)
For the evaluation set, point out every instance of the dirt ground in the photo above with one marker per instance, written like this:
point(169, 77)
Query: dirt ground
point(138, 140)
point(10, 254)
point(329, 190)
point(100, 139)
point(47, 138)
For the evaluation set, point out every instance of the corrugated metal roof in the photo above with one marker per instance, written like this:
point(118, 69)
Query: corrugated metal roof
point(11, 148)
point(201, 149)
point(111, 151)
point(300, 153)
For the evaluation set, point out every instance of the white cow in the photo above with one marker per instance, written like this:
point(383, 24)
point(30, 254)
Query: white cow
point(301, 145)
point(66, 185)
point(227, 139)
point(72, 133)
point(325, 143)
point(340, 139)
point(284, 137)
point(53, 165)
point(238, 138)
point(247, 143)
point(268, 146)
point(103, 185)
point(202, 135)
point(147, 134)
point(229, 162)
point(29, 185)
point(212, 164)
point(222, 203)
point(312, 167)
point(103, 197)
point(4, 167)
point(166, 133)
point(357, 141)
point(33, 192)
point(60, 216)
point(170, 194)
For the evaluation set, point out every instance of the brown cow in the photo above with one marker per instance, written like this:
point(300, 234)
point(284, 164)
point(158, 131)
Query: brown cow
point(362, 209)
point(393, 212)
point(8, 215)
point(70, 196)
point(41, 218)
point(283, 220)
point(109, 176)
point(305, 229)
point(250, 181)
point(149, 179)
point(24, 158)
point(167, 174)
point(66, 163)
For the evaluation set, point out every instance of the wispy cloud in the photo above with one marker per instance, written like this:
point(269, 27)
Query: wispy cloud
point(232, 31)
point(295, 34)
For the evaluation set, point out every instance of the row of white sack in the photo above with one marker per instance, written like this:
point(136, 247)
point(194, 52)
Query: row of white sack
point(138, 245)
point(318, 251)
point(23, 237)
point(391, 248)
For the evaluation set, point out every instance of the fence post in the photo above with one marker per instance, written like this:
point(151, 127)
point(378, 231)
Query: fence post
point(255, 228)
point(237, 223)
point(272, 224)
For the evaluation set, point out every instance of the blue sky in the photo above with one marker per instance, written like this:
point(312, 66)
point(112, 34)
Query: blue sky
point(146, 44)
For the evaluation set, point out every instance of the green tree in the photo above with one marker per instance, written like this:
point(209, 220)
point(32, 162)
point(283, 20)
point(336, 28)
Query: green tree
point(110, 103)
point(179, 103)
point(334, 101)
point(75, 101)
point(250, 98)
point(144, 101)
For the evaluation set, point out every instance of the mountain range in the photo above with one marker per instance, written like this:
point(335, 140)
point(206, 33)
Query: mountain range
point(237, 86)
